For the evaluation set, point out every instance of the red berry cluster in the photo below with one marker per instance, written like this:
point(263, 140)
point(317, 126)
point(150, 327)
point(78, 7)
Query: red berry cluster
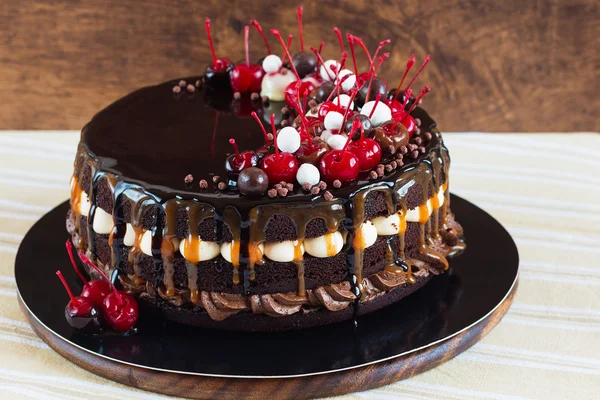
point(100, 304)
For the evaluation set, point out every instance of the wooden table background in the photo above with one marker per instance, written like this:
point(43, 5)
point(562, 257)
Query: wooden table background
point(496, 65)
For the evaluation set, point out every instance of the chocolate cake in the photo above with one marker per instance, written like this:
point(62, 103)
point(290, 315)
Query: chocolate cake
point(211, 220)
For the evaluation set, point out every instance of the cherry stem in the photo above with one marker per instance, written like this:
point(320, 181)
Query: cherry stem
point(321, 46)
point(418, 72)
point(353, 94)
point(90, 264)
point(64, 282)
point(424, 91)
point(210, 42)
point(262, 127)
point(320, 59)
point(338, 33)
point(272, 118)
point(407, 95)
point(238, 156)
point(287, 53)
point(289, 44)
point(255, 24)
point(377, 98)
point(350, 40)
point(358, 40)
point(409, 65)
point(383, 57)
point(246, 34)
point(357, 124)
point(299, 10)
point(69, 247)
point(347, 142)
point(381, 45)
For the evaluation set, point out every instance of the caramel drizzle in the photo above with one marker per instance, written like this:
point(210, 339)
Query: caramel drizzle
point(233, 220)
point(301, 214)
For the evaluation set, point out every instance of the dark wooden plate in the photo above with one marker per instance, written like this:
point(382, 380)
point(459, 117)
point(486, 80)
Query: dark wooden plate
point(439, 321)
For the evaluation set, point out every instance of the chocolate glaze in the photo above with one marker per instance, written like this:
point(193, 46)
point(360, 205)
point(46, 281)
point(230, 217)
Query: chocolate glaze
point(143, 145)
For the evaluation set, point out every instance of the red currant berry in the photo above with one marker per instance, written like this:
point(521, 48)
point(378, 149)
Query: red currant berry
point(367, 151)
point(280, 167)
point(339, 164)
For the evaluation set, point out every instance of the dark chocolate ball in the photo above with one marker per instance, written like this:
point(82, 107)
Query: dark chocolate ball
point(378, 86)
point(321, 93)
point(364, 120)
point(305, 63)
point(253, 181)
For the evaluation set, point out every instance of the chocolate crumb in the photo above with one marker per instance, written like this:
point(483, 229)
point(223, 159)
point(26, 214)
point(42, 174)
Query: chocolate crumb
point(422, 149)
point(182, 83)
point(222, 186)
point(315, 190)
point(418, 121)
point(388, 168)
point(412, 147)
point(380, 172)
point(400, 163)
point(282, 192)
point(322, 185)
point(380, 166)
point(277, 186)
point(399, 157)
point(216, 179)
point(203, 184)
point(306, 187)
point(328, 196)
point(282, 183)
point(428, 135)
point(403, 150)
point(373, 175)
point(417, 131)
point(176, 89)
point(189, 178)
point(254, 96)
point(391, 149)
point(198, 83)
point(337, 184)
point(414, 154)
point(418, 141)
point(290, 186)
point(394, 164)
point(237, 95)
point(190, 88)
point(272, 193)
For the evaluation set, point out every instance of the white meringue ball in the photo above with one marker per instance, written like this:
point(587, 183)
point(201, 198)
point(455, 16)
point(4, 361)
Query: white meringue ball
point(308, 173)
point(337, 142)
point(344, 101)
point(347, 78)
point(282, 251)
point(327, 245)
point(272, 63)
point(326, 134)
point(381, 114)
point(288, 139)
point(333, 120)
point(273, 85)
point(369, 233)
point(329, 74)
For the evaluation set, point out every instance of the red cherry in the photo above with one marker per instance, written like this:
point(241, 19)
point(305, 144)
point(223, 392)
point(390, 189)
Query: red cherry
point(293, 89)
point(236, 162)
point(326, 107)
point(396, 108)
point(241, 78)
point(280, 166)
point(362, 79)
point(368, 152)
point(95, 290)
point(409, 122)
point(257, 74)
point(81, 313)
point(120, 310)
point(339, 164)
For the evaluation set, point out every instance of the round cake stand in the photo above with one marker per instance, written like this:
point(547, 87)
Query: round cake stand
point(432, 342)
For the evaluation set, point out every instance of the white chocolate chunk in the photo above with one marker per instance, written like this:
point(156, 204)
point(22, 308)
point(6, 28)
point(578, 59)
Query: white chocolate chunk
point(327, 245)
point(206, 250)
point(273, 85)
point(381, 114)
point(84, 205)
point(226, 250)
point(103, 222)
point(387, 225)
point(282, 251)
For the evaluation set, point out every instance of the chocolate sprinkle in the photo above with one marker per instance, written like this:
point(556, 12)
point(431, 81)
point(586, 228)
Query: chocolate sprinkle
point(328, 196)
point(190, 88)
point(237, 95)
point(322, 185)
point(373, 175)
point(216, 179)
point(282, 192)
point(203, 184)
point(315, 190)
point(272, 193)
point(428, 135)
point(189, 178)
point(176, 89)
point(306, 187)
point(182, 83)
point(222, 186)
point(337, 184)
point(290, 186)
point(414, 154)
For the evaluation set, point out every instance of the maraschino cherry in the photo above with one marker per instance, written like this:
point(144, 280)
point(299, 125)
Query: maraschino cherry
point(95, 290)
point(342, 165)
point(279, 166)
point(81, 312)
point(119, 307)
point(237, 161)
point(246, 77)
point(408, 121)
point(219, 71)
point(365, 149)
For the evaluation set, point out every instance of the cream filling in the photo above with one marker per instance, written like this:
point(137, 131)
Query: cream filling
point(327, 245)
point(414, 215)
point(103, 222)
point(206, 250)
point(282, 251)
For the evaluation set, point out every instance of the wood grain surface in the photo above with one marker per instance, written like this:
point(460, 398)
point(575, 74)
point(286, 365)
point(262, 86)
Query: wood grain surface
point(337, 383)
point(496, 65)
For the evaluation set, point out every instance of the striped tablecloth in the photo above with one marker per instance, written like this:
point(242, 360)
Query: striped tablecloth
point(544, 188)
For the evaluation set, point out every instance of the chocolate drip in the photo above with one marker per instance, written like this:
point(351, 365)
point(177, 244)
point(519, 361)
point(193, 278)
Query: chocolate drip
point(233, 220)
